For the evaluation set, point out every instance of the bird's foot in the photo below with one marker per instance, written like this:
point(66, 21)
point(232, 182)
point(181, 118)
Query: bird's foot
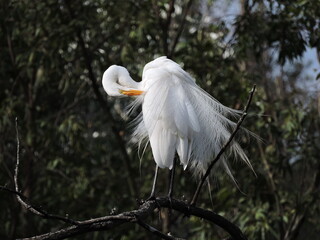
point(152, 197)
point(170, 199)
point(187, 213)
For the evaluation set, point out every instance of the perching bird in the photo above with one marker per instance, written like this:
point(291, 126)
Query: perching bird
point(177, 116)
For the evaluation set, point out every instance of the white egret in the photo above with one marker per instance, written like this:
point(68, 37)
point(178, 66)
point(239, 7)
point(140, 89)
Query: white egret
point(177, 116)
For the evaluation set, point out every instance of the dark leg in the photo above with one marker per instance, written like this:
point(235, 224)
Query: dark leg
point(172, 172)
point(153, 195)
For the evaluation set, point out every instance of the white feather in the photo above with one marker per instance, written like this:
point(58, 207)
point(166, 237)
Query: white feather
point(179, 117)
point(197, 123)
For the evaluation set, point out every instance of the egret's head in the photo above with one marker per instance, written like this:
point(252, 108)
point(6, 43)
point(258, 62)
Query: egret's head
point(117, 82)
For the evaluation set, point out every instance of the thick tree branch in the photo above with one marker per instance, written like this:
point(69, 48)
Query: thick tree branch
point(224, 148)
point(136, 216)
point(109, 222)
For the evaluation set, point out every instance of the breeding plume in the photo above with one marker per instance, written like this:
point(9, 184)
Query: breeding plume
point(177, 115)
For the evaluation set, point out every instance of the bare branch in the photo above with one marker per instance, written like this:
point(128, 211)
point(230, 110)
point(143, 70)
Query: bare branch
point(146, 209)
point(224, 148)
point(166, 27)
point(109, 222)
point(4, 188)
point(23, 199)
point(155, 231)
point(11, 52)
point(16, 174)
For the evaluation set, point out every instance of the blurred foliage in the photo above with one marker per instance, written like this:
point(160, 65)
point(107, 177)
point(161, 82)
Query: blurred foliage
point(288, 26)
point(75, 156)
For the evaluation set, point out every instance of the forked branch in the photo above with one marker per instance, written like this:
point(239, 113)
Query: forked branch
point(22, 199)
point(138, 216)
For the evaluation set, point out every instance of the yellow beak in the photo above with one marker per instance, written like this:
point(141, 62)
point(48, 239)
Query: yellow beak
point(131, 92)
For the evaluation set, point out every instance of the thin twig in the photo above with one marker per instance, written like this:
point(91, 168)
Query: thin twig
point(166, 27)
point(23, 199)
point(16, 174)
point(155, 231)
point(224, 148)
point(12, 55)
point(4, 188)
point(180, 30)
point(108, 218)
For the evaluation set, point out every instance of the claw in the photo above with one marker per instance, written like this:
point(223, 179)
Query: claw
point(170, 199)
point(152, 197)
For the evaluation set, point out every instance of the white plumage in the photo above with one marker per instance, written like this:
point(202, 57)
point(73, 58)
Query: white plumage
point(177, 115)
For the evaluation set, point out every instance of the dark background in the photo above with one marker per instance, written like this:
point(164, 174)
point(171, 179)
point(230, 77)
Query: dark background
point(75, 156)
